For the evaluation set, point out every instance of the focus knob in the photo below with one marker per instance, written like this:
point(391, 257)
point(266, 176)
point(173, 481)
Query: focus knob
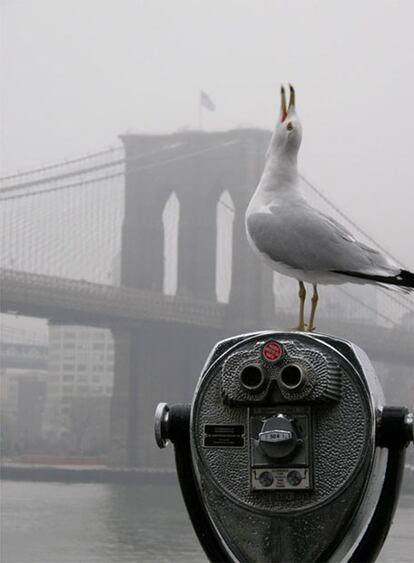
point(277, 438)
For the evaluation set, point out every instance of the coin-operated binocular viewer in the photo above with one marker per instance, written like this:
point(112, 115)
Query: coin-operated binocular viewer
point(287, 452)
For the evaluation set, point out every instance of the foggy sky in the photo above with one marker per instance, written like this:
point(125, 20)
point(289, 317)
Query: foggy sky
point(78, 73)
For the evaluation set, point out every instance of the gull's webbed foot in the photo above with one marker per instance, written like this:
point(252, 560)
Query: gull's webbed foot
point(301, 327)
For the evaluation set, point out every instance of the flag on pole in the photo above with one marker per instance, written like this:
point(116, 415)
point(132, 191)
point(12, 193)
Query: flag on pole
point(206, 101)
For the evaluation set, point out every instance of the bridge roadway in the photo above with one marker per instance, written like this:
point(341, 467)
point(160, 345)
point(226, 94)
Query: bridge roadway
point(84, 303)
point(92, 304)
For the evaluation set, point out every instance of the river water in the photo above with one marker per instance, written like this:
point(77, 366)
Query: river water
point(112, 523)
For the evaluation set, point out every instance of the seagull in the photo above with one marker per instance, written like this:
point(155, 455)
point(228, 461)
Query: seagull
point(297, 240)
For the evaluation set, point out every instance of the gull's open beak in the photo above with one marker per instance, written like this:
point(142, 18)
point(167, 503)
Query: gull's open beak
point(283, 110)
point(292, 97)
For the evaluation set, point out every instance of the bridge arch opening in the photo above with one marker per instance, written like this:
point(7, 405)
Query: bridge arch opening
point(170, 221)
point(224, 246)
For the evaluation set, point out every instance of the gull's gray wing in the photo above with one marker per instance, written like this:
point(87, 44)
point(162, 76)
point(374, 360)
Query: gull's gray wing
point(347, 235)
point(303, 238)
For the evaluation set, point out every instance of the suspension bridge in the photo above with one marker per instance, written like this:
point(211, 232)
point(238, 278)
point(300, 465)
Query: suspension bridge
point(147, 239)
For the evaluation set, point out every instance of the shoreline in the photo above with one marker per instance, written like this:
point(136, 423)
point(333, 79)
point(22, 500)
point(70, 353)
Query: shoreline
point(106, 474)
point(85, 474)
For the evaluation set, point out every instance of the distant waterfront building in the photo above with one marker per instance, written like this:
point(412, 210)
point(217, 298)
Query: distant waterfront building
point(81, 373)
point(22, 403)
point(81, 364)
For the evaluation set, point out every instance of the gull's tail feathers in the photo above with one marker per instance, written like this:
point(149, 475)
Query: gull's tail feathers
point(404, 280)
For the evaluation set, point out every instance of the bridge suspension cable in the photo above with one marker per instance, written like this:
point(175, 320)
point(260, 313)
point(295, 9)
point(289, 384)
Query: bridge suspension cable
point(65, 187)
point(97, 221)
point(149, 166)
point(62, 163)
point(365, 305)
point(55, 178)
point(405, 301)
point(20, 186)
point(350, 221)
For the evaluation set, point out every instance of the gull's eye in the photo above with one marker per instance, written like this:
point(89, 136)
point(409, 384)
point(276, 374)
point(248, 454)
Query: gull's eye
point(289, 126)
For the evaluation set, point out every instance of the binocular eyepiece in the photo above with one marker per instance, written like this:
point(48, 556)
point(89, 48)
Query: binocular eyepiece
point(287, 452)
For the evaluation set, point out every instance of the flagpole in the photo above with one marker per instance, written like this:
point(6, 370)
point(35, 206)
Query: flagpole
point(205, 103)
point(200, 115)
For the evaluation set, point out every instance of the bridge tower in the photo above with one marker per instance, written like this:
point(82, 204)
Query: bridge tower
point(159, 360)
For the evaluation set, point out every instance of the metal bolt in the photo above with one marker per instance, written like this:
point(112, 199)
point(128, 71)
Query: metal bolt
point(409, 423)
point(161, 425)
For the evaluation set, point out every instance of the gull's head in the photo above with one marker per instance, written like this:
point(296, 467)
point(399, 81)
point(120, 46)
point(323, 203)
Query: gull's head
point(287, 134)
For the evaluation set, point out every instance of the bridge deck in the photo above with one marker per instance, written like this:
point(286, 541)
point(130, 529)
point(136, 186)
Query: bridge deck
point(94, 304)
point(85, 303)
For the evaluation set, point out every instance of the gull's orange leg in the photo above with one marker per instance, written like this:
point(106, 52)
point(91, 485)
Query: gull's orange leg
point(302, 297)
point(314, 301)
